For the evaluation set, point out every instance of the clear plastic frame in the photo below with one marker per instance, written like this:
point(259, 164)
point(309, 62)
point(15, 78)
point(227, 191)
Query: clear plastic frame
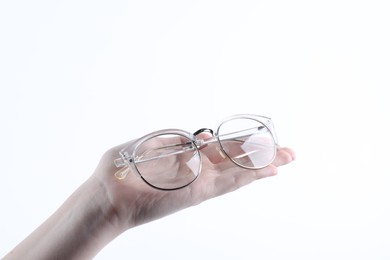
point(171, 159)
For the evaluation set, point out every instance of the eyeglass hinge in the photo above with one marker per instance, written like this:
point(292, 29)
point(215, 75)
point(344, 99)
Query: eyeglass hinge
point(120, 162)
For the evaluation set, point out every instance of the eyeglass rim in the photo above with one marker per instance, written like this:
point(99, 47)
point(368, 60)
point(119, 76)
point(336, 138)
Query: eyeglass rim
point(176, 132)
point(259, 118)
point(262, 120)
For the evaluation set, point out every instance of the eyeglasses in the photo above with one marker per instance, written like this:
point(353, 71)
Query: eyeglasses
point(171, 159)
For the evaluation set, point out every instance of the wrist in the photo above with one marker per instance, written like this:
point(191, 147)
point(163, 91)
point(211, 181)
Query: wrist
point(99, 219)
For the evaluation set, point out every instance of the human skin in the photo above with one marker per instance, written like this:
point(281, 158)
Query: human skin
point(104, 206)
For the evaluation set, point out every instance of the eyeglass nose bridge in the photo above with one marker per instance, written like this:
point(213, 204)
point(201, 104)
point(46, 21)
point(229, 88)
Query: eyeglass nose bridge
point(202, 142)
point(204, 130)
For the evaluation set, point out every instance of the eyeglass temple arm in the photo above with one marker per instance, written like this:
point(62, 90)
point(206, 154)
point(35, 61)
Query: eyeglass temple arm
point(201, 142)
point(119, 162)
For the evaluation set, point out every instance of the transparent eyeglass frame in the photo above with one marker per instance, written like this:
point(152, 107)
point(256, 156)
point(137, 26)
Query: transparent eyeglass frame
point(128, 158)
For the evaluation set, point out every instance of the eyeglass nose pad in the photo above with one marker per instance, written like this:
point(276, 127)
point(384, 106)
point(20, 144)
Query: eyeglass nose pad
point(122, 173)
point(221, 153)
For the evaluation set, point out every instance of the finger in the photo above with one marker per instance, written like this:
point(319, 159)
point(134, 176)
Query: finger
point(212, 150)
point(284, 156)
point(229, 177)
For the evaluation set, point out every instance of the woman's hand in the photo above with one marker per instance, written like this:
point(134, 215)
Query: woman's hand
point(137, 203)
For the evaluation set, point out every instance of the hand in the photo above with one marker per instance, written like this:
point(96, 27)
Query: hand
point(136, 203)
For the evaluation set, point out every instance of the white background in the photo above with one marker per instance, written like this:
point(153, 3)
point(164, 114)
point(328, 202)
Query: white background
point(78, 77)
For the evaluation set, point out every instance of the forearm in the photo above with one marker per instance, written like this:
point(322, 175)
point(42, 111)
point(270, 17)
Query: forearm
point(79, 229)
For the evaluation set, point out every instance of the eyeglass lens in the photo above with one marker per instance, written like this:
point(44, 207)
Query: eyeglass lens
point(168, 161)
point(247, 142)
